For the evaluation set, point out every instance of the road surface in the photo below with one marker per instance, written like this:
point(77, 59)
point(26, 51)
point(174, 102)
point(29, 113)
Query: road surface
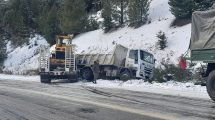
point(22, 100)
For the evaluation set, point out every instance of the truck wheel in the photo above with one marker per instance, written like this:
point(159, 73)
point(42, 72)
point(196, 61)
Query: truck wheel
point(125, 75)
point(45, 79)
point(87, 74)
point(210, 84)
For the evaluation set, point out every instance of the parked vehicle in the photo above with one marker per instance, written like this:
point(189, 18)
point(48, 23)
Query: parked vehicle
point(202, 45)
point(122, 63)
point(59, 63)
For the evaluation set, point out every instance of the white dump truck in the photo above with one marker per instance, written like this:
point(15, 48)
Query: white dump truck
point(122, 63)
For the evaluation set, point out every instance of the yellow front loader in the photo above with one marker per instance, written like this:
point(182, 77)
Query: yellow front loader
point(59, 63)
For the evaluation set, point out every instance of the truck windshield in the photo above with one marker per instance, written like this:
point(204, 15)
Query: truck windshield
point(146, 57)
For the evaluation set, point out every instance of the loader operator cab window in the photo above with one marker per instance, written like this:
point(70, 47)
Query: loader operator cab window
point(60, 41)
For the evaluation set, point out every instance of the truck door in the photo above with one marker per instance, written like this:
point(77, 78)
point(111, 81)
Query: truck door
point(132, 59)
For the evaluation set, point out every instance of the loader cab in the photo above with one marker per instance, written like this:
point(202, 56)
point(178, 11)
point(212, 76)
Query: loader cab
point(142, 61)
point(62, 42)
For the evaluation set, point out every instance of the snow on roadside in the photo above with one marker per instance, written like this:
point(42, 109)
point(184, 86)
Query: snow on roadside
point(20, 77)
point(168, 88)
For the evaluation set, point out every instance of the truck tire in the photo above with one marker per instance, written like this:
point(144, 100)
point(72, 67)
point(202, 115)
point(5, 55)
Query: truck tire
point(125, 75)
point(210, 84)
point(45, 79)
point(87, 74)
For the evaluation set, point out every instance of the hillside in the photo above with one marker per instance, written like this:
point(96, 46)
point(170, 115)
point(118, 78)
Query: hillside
point(23, 59)
point(143, 37)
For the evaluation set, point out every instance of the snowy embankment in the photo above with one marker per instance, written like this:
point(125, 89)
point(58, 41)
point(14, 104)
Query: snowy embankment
point(24, 59)
point(168, 88)
point(35, 78)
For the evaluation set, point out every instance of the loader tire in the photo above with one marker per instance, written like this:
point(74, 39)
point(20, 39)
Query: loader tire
point(125, 75)
point(45, 79)
point(210, 84)
point(87, 74)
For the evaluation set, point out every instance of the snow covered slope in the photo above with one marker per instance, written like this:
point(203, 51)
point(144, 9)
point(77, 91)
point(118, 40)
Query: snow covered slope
point(24, 59)
point(144, 37)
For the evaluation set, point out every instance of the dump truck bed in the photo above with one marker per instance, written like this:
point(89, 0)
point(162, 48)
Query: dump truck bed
point(115, 58)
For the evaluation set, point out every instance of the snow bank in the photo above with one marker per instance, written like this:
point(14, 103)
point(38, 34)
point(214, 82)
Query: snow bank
point(168, 88)
point(25, 58)
point(19, 77)
point(141, 38)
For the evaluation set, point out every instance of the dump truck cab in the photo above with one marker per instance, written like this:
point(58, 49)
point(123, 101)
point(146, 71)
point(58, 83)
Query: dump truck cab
point(142, 62)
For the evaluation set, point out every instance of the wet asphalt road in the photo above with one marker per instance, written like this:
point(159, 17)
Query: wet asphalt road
point(20, 100)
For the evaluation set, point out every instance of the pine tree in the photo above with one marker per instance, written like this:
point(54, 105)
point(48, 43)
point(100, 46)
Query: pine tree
point(2, 48)
point(1, 14)
point(138, 11)
point(48, 20)
point(181, 8)
point(202, 5)
point(107, 15)
point(162, 40)
point(120, 9)
point(74, 16)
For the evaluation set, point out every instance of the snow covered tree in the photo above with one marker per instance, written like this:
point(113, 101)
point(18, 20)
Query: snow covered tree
point(120, 9)
point(92, 24)
point(74, 16)
point(138, 11)
point(107, 15)
point(162, 40)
